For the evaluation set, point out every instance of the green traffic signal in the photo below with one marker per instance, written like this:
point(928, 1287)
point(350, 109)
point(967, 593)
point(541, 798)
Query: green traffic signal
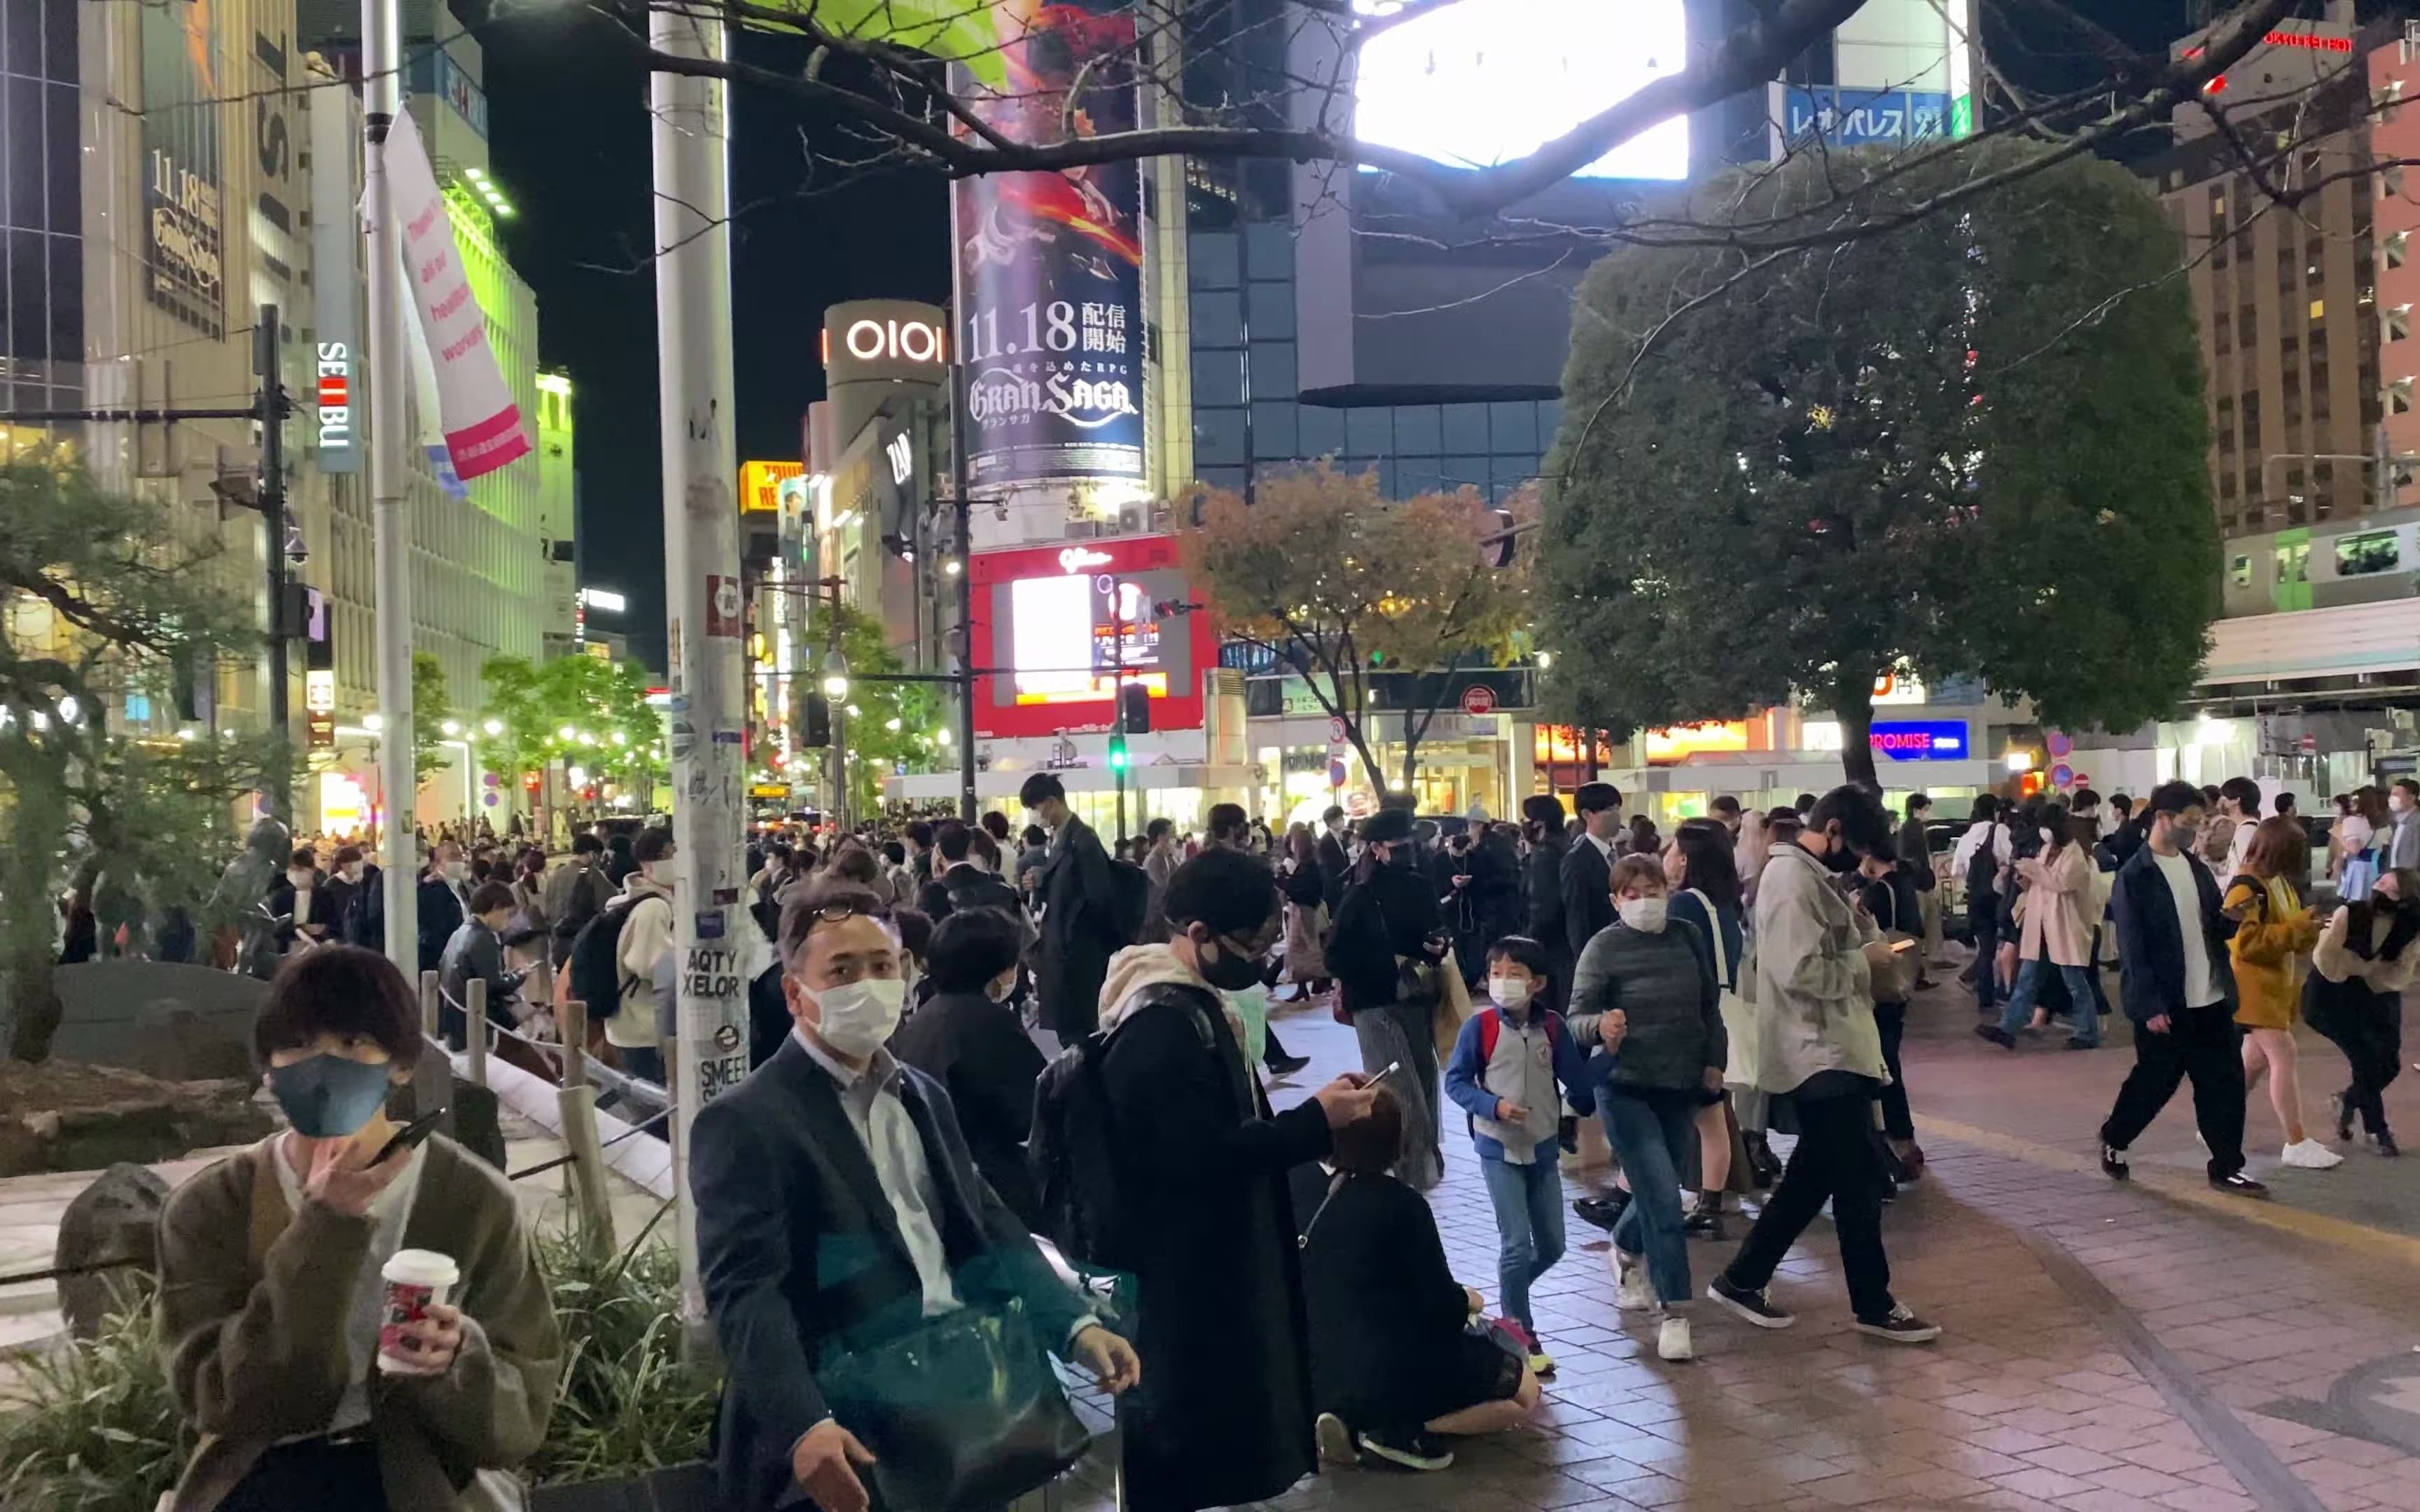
point(1117, 753)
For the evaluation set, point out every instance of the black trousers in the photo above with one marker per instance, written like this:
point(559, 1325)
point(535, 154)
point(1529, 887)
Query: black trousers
point(314, 1472)
point(1835, 1159)
point(2202, 1043)
point(2372, 1043)
point(1897, 1121)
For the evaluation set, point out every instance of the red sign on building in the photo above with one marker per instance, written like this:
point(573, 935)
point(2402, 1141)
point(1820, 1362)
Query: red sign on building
point(1066, 624)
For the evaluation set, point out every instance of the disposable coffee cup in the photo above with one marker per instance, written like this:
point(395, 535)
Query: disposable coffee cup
point(417, 1280)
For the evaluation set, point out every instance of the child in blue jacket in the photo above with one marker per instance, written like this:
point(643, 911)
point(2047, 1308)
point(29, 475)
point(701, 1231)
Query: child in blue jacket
point(1512, 1066)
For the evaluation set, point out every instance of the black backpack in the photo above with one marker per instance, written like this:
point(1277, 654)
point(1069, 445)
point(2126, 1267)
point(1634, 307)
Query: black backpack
point(1129, 901)
point(598, 979)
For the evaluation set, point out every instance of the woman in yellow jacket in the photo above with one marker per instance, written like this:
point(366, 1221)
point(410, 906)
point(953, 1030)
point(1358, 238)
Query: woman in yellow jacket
point(2271, 948)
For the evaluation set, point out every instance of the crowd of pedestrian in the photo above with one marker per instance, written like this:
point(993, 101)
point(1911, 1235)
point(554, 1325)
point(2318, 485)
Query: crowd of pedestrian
point(911, 1204)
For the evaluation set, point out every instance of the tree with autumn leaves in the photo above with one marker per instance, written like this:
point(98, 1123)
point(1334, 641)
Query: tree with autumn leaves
point(1343, 585)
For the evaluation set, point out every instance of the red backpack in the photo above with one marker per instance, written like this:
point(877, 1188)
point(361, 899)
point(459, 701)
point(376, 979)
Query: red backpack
point(1491, 1028)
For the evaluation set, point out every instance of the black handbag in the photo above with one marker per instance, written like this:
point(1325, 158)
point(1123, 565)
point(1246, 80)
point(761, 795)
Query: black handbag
point(963, 1412)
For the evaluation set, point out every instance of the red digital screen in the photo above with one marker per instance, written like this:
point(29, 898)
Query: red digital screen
point(1066, 624)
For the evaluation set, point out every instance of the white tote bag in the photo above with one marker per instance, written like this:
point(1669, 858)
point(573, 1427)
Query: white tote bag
point(1739, 1069)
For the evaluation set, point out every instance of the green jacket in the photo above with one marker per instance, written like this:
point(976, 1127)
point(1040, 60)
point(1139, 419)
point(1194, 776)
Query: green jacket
point(253, 1304)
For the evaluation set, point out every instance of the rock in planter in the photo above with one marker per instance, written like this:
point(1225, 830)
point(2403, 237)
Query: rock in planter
point(60, 1115)
point(115, 1218)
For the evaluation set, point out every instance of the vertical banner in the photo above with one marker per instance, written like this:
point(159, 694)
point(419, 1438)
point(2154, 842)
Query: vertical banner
point(482, 425)
point(1049, 265)
point(335, 407)
point(184, 175)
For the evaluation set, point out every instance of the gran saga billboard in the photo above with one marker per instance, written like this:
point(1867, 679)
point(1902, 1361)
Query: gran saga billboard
point(1049, 265)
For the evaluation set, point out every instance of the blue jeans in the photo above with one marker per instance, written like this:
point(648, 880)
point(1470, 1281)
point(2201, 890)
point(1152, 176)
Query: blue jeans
point(1529, 1202)
point(2083, 995)
point(1655, 1135)
point(647, 1062)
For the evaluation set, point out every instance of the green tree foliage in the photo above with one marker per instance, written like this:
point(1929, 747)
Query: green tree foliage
point(431, 706)
point(1974, 445)
point(101, 600)
point(613, 732)
point(897, 726)
point(1336, 580)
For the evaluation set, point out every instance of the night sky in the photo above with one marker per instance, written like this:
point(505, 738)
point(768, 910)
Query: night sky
point(569, 133)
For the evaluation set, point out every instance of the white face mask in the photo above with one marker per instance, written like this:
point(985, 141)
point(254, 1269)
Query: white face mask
point(855, 1017)
point(458, 870)
point(1001, 989)
point(352, 873)
point(300, 880)
point(2397, 802)
point(1510, 992)
point(1642, 914)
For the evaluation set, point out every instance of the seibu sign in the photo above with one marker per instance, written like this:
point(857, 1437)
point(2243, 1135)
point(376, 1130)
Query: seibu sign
point(333, 400)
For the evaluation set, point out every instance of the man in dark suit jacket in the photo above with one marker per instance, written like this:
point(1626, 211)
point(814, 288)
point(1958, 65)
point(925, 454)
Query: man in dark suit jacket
point(838, 1208)
point(1080, 927)
point(2177, 986)
point(1541, 878)
point(1335, 862)
point(1587, 866)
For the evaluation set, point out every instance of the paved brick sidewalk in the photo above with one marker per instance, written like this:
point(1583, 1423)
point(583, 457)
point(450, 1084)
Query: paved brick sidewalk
point(2105, 1348)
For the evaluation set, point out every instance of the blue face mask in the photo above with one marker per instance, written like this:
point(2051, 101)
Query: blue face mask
point(328, 1097)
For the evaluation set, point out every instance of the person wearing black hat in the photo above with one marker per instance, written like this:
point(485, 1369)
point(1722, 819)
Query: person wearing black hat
point(1389, 915)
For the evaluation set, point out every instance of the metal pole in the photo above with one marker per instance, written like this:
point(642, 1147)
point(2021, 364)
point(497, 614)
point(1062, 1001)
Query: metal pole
point(390, 532)
point(966, 549)
point(702, 595)
point(1118, 698)
point(266, 341)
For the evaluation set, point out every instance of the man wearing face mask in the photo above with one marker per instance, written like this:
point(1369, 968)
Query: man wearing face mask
point(441, 902)
point(1224, 1416)
point(271, 1297)
point(348, 892)
point(968, 1039)
point(1587, 866)
point(297, 897)
point(2403, 845)
point(1085, 913)
point(1816, 1042)
point(645, 938)
point(1388, 920)
point(839, 1211)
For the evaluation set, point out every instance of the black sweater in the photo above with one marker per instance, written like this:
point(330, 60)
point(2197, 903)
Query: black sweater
point(1386, 1315)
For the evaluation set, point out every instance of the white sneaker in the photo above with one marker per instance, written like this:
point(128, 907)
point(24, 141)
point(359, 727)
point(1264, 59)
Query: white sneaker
point(1672, 1339)
point(1632, 1294)
point(2310, 1155)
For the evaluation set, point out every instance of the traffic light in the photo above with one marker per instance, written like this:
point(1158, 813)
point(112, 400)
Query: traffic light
point(814, 720)
point(1117, 753)
point(1134, 709)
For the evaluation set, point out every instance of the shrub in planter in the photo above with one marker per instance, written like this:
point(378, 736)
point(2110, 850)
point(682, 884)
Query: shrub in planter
point(94, 1426)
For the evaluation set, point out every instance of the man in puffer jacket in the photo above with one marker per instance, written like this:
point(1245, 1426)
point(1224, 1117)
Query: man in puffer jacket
point(1812, 1009)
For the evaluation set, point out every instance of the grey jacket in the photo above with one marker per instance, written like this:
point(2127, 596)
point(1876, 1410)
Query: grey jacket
point(1811, 994)
point(2403, 842)
point(1661, 984)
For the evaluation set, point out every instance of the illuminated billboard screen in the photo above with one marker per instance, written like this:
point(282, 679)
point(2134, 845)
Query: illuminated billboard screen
point(1065, 622)
point(1489, 81)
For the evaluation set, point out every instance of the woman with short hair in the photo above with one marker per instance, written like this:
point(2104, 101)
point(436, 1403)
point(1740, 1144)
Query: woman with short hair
point(271, 1299)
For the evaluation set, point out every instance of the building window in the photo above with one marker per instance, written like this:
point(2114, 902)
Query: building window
point(2398, 322)
point(2226, 485)
point(2393, 248)
point(2318, 307)
point(2358, 556)
point(2240, 570)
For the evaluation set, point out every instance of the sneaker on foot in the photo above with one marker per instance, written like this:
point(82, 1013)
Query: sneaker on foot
point(1288, 1065)
point(1603, 1213)
point(2113, 1163)
point(1335, 1442)
point(2240, 1184)
point(1631, 1292)
point(1997, 1035)
point(1900, 1326)
point(2077, 1043)
point(2344, 1117)
point(2385, 1144)
point(1672, 1339)
point(2308, 1154)
point(1754, 1307)
point(1419, 1452)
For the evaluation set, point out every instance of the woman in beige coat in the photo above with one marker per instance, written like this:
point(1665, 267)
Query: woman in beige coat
point(2055, 928)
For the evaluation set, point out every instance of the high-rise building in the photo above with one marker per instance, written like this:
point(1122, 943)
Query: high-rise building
point(2304, 313)
point(558, 516)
